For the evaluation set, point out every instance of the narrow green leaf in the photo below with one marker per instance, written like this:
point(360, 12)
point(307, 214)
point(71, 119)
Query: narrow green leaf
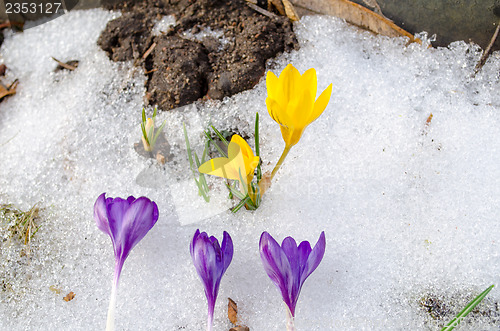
point(215, 144)
point(235, 192)
point(470, 306)
point(221, 137)
point(257, 147)
point(241, 204)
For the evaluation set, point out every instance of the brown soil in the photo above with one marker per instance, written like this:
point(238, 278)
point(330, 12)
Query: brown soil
point(182, 70)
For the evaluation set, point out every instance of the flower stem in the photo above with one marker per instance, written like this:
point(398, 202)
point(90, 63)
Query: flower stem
point(110, 323)
point(290, 320)
point(280, 161)
point(210, 319)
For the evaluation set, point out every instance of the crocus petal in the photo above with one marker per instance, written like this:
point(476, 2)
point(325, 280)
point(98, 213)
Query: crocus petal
point(300, 109)
point(273, 88)
point(100, 214)
point(309, 81)
point(277, 112)
point(287, 81)
point(139, 218)
point(227, 250)
point(321, 103)
point(277, 267)
point(315, 257)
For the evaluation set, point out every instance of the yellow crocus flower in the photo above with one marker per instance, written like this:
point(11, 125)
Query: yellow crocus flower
point(290, 101)
point(240, 163)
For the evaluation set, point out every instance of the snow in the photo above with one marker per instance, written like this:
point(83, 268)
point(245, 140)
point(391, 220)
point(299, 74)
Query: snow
point(409, 210)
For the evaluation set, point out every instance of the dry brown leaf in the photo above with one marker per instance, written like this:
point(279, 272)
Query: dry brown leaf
point(232, 311)
point(355, 14)
point(278, 5)
point(70, 296)
point(240, 328)
point(5, 91)
point(429, 119)
point(290, 11)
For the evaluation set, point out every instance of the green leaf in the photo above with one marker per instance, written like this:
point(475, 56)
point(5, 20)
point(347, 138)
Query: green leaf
point(241, 204)
point(201, 180)
point(221, 137)
point(215, 144)
point(257, 148)
point(470, 306)
point(143, 126)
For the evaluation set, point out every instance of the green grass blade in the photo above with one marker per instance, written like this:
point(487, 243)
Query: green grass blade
point(470, 306)
point(215, 144)
point(235, 192)
point(257, 148)
point(221, 137)
point(241, 204)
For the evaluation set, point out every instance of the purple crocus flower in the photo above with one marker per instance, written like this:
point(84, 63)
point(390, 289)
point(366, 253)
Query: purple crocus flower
point(288, 266)
point(126, 221)
point(211, 262)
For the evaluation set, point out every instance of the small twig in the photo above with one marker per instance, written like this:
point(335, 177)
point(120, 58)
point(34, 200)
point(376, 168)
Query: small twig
point(487, 52)
point(150, 71)
point(64, 65)
point(261, 10)
point(150, 49)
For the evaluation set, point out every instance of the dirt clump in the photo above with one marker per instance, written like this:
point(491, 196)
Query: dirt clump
point(217, 48)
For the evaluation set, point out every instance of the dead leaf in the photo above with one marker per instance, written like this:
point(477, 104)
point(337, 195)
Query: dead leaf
point(355, 14)
point(70, 296)
point(232, 311)
point(5, 91)
point(160, 158)
point(240, 328)
point(276, 4)
point(3, 68)
point(429, 119)
point(290, 11)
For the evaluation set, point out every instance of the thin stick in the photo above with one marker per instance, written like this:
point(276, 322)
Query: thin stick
point(487, 52)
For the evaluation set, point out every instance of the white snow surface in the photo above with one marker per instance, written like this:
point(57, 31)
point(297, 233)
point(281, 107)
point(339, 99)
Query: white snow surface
point(409, 210)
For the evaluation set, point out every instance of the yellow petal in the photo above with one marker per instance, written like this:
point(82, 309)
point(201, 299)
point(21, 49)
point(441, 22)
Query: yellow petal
point(277, 113)
point(245, 149)
point(300, 109)
point(321, 103)
point(221, 167)
point(309, 81)
point(289, 82)
point(272, 84)
point(226, 167)
point(291, 136)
